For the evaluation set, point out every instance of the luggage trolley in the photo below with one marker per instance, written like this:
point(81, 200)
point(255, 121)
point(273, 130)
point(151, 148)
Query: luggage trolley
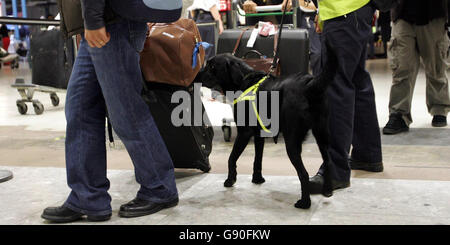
point(27, 89)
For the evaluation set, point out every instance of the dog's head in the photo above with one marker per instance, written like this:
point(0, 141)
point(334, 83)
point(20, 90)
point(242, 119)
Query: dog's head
point(223, 72)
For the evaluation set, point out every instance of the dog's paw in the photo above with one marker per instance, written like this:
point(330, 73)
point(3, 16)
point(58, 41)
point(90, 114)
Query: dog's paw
point(258, 179)
point(229, 182)
point(303, 203)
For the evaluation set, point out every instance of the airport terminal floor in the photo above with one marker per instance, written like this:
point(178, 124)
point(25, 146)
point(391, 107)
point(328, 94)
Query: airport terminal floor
point(413, 189)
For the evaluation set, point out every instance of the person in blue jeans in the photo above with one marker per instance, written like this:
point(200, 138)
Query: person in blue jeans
point(107, 74)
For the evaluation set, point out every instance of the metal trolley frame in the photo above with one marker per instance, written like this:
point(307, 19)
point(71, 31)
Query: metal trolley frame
point(27, 89)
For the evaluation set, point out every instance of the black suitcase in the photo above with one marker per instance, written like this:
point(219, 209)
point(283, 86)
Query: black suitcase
point(189, 146)
point(293, 52)
point(52, 59)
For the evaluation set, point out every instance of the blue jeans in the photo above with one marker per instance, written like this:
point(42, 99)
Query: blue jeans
point(110, 77)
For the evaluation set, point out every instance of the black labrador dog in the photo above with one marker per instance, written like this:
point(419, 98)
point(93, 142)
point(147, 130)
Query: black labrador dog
point(302, 106)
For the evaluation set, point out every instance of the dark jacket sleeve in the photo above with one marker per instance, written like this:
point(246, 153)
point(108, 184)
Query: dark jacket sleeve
point(448, 12)
point(93, 14)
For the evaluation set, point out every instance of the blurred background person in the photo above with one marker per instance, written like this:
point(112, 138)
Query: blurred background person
point(384, 22)
point(419, 31)
point(4, 34)
point(206, 11)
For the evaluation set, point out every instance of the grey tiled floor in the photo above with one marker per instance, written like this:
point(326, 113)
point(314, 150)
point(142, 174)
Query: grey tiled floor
point(204, 200)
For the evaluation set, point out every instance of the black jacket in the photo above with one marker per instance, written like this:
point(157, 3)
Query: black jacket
point(431, 9)
point(94, 12)
point(76, 15)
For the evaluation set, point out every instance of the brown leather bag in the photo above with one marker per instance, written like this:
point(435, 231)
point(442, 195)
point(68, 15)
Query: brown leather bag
point(260, 63)
point(168, 53)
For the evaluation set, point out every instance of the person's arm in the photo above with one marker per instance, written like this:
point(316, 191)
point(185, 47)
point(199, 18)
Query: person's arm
point(94, 23)
point(215, 13)
point(249, 7)
point(93, 14)
point(289, 5)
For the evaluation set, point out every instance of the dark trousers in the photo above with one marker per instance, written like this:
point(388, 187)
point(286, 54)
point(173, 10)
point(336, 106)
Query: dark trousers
point(352, 116)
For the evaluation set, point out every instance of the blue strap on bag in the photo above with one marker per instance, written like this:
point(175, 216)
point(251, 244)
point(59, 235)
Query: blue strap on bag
point(205, 46)
point(155, 11)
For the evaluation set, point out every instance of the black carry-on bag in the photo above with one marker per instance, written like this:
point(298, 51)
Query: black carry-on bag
point(189, 146)
point(52, 59)
point(293, 48)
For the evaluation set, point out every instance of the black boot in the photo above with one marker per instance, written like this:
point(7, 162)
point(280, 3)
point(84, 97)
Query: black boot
point(316, 184)
point(139, 207)
point(65, 215)
point(395, 125)
point(439, 121)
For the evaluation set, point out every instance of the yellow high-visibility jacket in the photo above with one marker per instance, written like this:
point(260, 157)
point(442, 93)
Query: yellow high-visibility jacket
point(329, 9)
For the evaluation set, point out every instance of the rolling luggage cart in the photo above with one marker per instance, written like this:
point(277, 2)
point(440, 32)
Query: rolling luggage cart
point(27, 89)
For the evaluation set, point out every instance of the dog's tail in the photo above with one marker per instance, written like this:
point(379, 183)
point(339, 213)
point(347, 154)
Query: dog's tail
point(320, 83)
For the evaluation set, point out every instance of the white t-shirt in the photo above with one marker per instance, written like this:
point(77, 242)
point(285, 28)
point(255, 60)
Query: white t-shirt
point(203, 4)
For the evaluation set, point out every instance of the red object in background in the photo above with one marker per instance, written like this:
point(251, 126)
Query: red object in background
point(6, 42)
point(224, 5)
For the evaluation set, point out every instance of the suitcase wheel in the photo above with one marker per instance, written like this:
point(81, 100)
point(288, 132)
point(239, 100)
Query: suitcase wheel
point(38, 107)
point(22, 108)
point(226, 133)
point(55, 99)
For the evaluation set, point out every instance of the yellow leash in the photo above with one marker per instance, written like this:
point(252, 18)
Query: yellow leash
point(250, 95)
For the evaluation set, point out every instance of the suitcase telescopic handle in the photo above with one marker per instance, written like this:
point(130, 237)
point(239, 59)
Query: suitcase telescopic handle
point(261, 56)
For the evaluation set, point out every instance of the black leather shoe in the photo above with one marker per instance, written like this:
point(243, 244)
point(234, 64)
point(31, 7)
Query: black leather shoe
point(139, 207)
point(395, 125)
point(439, 121)
point(316, 184)
point(65, 215)
point(371, 167)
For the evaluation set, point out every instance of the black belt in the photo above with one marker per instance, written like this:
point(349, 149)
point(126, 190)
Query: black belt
point(343, 17)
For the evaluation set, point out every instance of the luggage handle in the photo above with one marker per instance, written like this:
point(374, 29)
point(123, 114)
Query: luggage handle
point(261, 56)
point(239, 41)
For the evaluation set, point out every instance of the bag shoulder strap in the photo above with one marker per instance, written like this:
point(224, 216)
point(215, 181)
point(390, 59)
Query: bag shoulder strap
point(239, 41)
point(277, 49)
point(275, 44)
